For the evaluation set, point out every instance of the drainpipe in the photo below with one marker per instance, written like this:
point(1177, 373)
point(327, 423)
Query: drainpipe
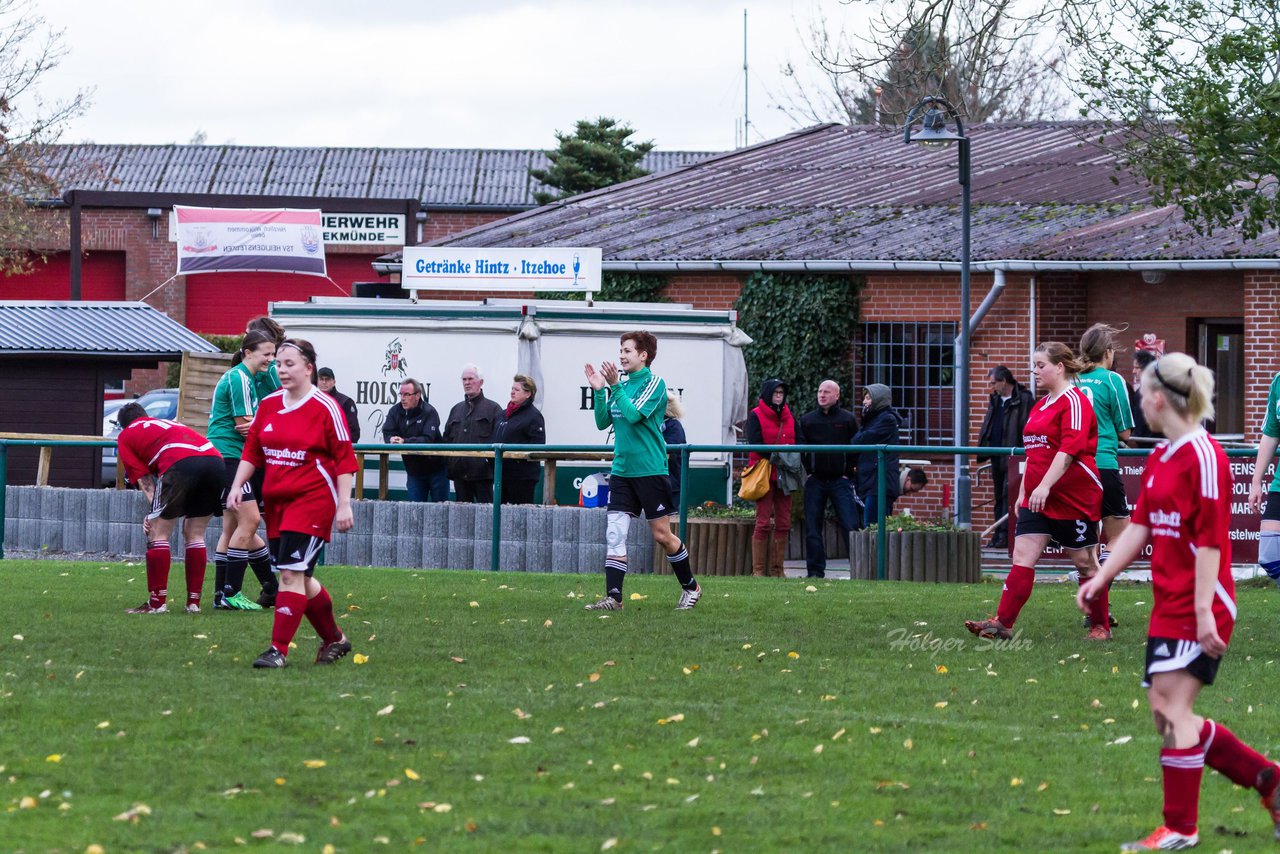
point(997, 288)
point(1031, 345)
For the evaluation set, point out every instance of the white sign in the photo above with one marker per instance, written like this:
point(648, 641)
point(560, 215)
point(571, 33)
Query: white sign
point(344, 228)
point(370, 229)
point(430, 268)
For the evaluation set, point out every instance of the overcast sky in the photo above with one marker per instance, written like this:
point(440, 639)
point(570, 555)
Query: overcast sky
point(431, 73)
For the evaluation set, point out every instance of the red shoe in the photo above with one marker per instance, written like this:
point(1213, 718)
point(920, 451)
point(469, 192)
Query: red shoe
point(1098, 633)
point(1269, 779)
point(1164, 839)
point(992, 629)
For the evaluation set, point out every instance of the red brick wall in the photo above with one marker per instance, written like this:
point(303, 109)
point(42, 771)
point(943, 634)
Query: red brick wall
point(443, 224)
point(713, 291)
point(1261, 332)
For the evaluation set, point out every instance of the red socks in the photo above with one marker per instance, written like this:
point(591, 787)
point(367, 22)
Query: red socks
point(197, 557)
point(1182, 768)
point(320, 613)
point(157, 572)
point(1100, 607)
point(1230, 756)
point(1017, 590)
point(289, 610)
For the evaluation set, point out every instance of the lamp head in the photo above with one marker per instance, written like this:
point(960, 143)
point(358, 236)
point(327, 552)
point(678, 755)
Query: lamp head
point(933, 131)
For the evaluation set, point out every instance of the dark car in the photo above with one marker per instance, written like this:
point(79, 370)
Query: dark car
point(161, 403)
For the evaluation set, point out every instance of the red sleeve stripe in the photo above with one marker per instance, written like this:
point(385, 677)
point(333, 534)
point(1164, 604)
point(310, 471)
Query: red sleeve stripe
point(335, 412)
point(1208, 460)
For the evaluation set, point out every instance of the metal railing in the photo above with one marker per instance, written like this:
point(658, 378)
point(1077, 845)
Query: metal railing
point(499, 450)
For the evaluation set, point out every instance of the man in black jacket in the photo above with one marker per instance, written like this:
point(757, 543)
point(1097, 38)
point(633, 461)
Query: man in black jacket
point(472, 422)
point(413, 421)
point(829, 474)
point(329, 385)
point(1007, 411)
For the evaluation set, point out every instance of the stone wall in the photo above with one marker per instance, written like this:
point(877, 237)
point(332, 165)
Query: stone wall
point(106, 524)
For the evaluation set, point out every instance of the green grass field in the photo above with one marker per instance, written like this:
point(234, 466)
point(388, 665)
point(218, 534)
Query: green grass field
point(493, 713)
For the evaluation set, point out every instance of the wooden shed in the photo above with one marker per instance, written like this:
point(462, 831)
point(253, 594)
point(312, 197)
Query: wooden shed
point(55, 360)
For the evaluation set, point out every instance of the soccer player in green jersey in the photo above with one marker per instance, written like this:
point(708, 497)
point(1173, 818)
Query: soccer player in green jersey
point(1109, 394)
point(635, 406)
point(1269, 533)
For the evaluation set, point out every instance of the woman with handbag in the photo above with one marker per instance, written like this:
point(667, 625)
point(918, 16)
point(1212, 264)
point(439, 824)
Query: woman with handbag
point(770, 423)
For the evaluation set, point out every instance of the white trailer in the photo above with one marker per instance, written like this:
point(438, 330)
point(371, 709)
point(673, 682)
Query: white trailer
point(373, 345)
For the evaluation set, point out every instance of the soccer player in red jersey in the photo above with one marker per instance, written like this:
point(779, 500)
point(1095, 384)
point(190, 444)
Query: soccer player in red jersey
point(180, 472)
point(1061, 495)
point(299, 438)
point(1184, 511)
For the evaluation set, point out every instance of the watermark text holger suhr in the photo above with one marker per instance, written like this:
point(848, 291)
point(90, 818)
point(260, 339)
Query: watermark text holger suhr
point(906, 640)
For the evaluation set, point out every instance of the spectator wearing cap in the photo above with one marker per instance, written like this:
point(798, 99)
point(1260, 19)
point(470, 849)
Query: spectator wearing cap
point(329, 385)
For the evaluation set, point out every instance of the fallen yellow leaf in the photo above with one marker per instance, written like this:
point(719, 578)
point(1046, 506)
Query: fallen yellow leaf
point(411, 774)
point(280, 781)
point(29, 803)
point(53, 757)
point(442, 808)
point(940, 668)
point(636, 597)
point(104, 724)
point(314, 763)
point(474, 604)
point(839, 733)
point(547, 624)
point(941, 704)
point(1016, 781)
point(793, 654)
point(908, 744)
point(359, 659)
point(385, 710)
point(456, 660)
point(609, 843)
point(594, 677)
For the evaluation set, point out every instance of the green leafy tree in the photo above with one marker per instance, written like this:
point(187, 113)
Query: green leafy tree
point(621, 287)
point(1194, 86)
point(597, 154)
point(803, 326)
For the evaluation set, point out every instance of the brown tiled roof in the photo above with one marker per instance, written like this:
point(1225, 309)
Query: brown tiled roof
point(1040, 192)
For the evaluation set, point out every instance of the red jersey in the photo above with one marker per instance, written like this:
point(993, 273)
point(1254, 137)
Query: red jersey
point(1186, 502)
point(1064, 423)
point(149, 446)
point(301, 450)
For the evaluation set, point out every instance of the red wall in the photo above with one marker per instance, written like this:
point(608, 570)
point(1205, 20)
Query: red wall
point(102, 277)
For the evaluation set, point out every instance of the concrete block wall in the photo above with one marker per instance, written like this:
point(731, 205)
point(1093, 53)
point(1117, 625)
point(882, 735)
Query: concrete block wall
point(105, 524)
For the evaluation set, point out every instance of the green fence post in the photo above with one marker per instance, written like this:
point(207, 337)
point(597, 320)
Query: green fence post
point(684, 484)
point(4, 484)
point(881, 544)
point(495, 537)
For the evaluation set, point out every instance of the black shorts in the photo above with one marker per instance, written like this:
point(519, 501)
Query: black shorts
point(1071, 534)
point(296, 551)
point(1114, 503)
point(1166, 654)
point(192, 487)
point(1271, 509)
point(252, 489)
point(651, 494)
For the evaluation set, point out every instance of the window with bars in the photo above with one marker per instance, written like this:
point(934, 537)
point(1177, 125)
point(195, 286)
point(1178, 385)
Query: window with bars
point(916, 362)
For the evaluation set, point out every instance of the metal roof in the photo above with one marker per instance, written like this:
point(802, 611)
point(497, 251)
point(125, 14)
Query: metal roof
point(123, 329)
point(438, 177)
point(1040, 191)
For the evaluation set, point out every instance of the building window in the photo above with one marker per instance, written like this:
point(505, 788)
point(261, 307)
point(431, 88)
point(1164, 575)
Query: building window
point(916, 361)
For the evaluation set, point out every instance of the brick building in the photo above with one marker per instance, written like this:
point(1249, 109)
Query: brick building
point(1060, 240)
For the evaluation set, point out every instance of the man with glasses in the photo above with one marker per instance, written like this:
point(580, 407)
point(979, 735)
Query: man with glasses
point(413, 421)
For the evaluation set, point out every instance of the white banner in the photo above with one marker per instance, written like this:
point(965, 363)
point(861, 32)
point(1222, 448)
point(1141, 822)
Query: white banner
point(434, 268)
point(280, 240)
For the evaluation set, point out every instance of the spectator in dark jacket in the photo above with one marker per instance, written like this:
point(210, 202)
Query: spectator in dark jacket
point(413, 421)
point(327, 384)
point(880, 425)
point(1007, 411)
point(673, 434)
point(472, 422)
point(520, 424)
point(830, 476)
point(1141, 429)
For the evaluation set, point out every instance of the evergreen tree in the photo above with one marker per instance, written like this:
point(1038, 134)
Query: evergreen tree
point(598, 154)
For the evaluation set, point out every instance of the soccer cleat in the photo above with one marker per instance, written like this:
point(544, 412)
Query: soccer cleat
point(1098, 633)
point(270, 658)
point(145, 608)
point(1271, 801)
point(608, 603)
point(689, 598)
point(238, 602)
point(331, 652)
point(991, 629)
point(1163, 839)
point(267, 599)
point(193, 608)
point(1111, 621)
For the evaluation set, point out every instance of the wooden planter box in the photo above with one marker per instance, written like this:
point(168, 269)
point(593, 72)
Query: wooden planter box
point(954, 556)
point(716, 547)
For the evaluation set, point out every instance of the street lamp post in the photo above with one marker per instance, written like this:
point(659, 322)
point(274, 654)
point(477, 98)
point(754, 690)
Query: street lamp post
point(934, 113)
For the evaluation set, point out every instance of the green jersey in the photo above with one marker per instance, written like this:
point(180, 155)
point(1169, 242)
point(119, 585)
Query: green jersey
point(1271, 422)
point(1110, 398)
point(266, 381)
point(635, 408)
point(234, 397)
